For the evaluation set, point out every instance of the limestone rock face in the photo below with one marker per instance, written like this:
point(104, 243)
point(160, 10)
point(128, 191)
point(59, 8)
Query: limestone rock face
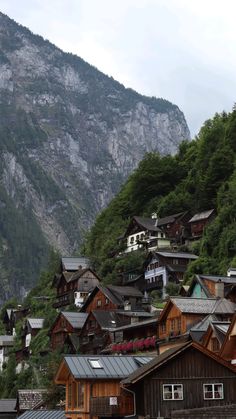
point(69, 137)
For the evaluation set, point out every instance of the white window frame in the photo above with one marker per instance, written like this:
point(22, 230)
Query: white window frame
point(95, 363)
point(172, 392)
point(213, 391)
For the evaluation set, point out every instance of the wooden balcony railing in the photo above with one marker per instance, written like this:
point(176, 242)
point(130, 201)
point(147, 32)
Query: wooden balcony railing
point(112, 406)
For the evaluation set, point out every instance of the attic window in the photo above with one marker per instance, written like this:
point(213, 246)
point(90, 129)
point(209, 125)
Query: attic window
point(95, 363)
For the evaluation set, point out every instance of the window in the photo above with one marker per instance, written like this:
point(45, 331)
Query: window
point(99, 303)
point(163, 327)
point(106, 301)
point(172, 391)
point(131, 239)
point(215, 345)
point(80, 395)
point(95, 363)
point(213, 391)
point(69, 395)
point(172, 324)
point(179, 323)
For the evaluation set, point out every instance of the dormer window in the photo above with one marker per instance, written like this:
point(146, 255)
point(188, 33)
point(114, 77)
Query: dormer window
point(95, 363)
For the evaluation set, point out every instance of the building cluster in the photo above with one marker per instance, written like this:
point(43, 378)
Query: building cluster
point(125, 357)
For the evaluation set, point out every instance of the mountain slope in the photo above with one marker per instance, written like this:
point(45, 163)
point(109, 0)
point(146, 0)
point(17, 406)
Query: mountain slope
point(69, 137)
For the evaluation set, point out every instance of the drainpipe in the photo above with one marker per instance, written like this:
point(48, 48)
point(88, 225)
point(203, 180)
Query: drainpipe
point(134, 397)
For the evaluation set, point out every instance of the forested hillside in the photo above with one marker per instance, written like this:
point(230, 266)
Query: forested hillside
point(202, 175)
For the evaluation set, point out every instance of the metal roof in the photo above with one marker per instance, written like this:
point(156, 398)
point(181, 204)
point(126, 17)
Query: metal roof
point(147, 223)
point(108, 319)
point(204, 305)
point(136, 324)
point(6, 340)
point(169, 219)
point(202, 326)
point(201, 216)
point(43, 414)
point(7, 405)
point(76, 320)
point(218, 278)
point(73, 264)
point(35, 323)
point(181, 255)
point(125, 291)
point(116, 367)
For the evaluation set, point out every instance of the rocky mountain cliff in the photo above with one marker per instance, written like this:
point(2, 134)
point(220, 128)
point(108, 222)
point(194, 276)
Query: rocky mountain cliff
point(69, 137)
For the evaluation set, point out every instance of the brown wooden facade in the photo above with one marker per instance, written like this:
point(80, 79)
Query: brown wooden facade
point(191, 379)
point(100, 302)
point(59, 332)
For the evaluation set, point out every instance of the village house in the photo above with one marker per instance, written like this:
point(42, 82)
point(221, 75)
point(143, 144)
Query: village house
point(214, 337)
point(181, 314)
point(30, 399)
point(161, 267)
point(6, 344)
point(74, 264)
point(206, 286)
point(31, 329)
point(74, 287)
point(66, 324)
point(143, 233)
point(183, 378)
point(228, 347)
point(198, 223)
point(113, 297)
point(96, 332)
point(11, 316)
point(93, 385)
point(134, 337)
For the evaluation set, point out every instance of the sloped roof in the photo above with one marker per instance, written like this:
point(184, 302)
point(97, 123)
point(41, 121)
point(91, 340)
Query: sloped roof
point(202, 326)
point(137, 324)
point(28, 399)
point(35, 323)
point(219, 278)
point(73, 264)
point(147, 223)
point(125, 291)
point(6, 340)
point(169, 219)
point(7, 405)
point(76, 320)
point(204, 305)
point(76, 275)
point(107, 319)
point(43, 414)
point(116, 367)
point(180, 255)
point(201, 215)
point(166, 356)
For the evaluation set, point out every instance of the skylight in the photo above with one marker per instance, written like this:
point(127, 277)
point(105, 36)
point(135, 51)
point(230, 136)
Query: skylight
point(95, 363)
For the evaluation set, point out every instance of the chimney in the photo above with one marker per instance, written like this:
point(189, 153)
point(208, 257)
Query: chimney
point(219, 289)
point(154, 216)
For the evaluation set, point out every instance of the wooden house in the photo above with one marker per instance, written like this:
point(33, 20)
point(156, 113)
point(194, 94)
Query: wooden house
point(228, 347)
point(8, 409)
point(93, 385)
point(66, 323)
point(199, 221)
point(30, 329)
point(74, 264)
point(143, 233)
point(96, 332)
point(207, 286)
point(113, 297)
point(175, 226)
point(160, 268)
point(140, 336)
point(6, 344)
point(11, 317)
point(183, 378)
point(181, 314)
point(74, 287)
point(214, 337)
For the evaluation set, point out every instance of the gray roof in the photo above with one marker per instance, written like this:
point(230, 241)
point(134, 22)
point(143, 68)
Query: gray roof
point(115, 367)
point(43, 414)
point(222, 327)
point(73, 264)
point(202, 326)
point(137, 324)
point(7, 405)
point(182, 255)
point(76, 320)
point(6, 340)
point(147, 223)
point(35, 323)
point(169, 219)
point(125, 291)
point(204, 305)
point(219, 278)
point(107, 319)
point(201, 216)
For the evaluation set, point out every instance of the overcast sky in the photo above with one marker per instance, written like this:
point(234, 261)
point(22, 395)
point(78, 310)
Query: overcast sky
point(181, 50)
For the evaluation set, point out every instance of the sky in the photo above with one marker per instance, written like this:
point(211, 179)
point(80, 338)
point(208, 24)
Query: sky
point(181, 50)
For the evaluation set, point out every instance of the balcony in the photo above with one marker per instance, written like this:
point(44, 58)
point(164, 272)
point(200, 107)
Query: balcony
point(64, 300)
point(112, 406)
